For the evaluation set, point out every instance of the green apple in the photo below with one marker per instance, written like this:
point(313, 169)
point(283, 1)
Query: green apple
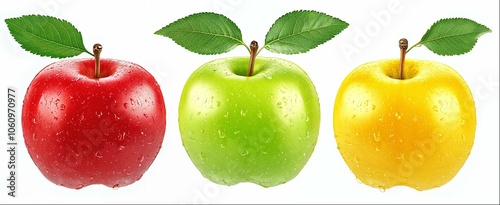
point(261, 128)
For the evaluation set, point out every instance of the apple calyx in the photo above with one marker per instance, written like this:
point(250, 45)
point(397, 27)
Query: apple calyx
point(254, 47)
point(97, 54)
point(403, 45)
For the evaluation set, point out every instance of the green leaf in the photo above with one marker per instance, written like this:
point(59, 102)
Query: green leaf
point(46, 36)
point(204, 33)
point(300, 31)
point(452, 36)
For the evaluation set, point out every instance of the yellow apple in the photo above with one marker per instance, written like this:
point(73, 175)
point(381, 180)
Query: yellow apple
point(417, 131)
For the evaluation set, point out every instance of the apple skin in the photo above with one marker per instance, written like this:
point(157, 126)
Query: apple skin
point(80, 130)
point(260, 129)
point(417, 132)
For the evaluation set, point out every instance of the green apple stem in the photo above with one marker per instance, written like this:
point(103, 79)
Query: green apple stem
point(403, 45)
point(254, 47)
point(97, 55)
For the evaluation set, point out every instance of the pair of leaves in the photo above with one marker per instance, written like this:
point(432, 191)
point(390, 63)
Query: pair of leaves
point(210, 33)
point(293, 33)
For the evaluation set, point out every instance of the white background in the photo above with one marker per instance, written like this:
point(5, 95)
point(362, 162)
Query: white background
point(126, 28)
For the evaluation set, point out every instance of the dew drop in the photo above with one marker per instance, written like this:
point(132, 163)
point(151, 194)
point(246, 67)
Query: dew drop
point(356, 159)
point(218, 103)
point(34, 136)
point(359, 180)
point(381, 189)
point(279, 105)
point(398, 116)
point(62, 107)
point(373, 107)
point(259, 115)
point(243, 113)
point(244, 152)
point(221, 134)
point(463, 137)
point(121, 147)
point(125, 105)
point(377, 149)
point(146, 115)
point(435, 108)
point(98, 155)
point(307, 119)
point(116, 186)
point(34, 121)
point(376, 137)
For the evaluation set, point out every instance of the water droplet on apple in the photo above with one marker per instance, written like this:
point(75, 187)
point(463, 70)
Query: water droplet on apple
point(34, 121)
point(356, 159)
point(463, 122)
point(62, 107)
point(202, 130)
point(435, 108)
point(243, 113)
point(268, 77)
point(121, 147)
point(121, 136)
point(279, 105)
point(463, 137)
point(353, 116)
point(116, 186)
point(145, 115)
point(34, 136)
point(98, 155)
point(221, 134)
point(218, 103)
point(398, 116)
point(381, 189)
point(359, 180)
point(307, 119)
point(125, 105)
point(244, 152)
point(198, 113)
point(222, 145)
point(202, 157)
point(377, 148)
point(373, 107)
point(376, 137)
point(259, 115)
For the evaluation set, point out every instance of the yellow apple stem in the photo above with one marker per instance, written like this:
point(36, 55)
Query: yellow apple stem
point(97, 55)
point(254, 47)
point(403, 45)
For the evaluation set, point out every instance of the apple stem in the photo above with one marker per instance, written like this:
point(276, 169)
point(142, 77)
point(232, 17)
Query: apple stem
point(403, 45)
point(254, 47)
point(97, 55)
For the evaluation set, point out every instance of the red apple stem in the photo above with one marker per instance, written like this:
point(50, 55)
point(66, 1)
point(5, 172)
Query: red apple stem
point(254, 47)
point(97, 55)
point(403, 45)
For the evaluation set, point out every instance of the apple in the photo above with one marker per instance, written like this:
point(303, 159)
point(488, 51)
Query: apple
point(93, 121)
point(410, 127)
point(260, 128)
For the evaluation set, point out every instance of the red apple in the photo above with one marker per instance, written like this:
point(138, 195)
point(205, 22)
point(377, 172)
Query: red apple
point(80, 129)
